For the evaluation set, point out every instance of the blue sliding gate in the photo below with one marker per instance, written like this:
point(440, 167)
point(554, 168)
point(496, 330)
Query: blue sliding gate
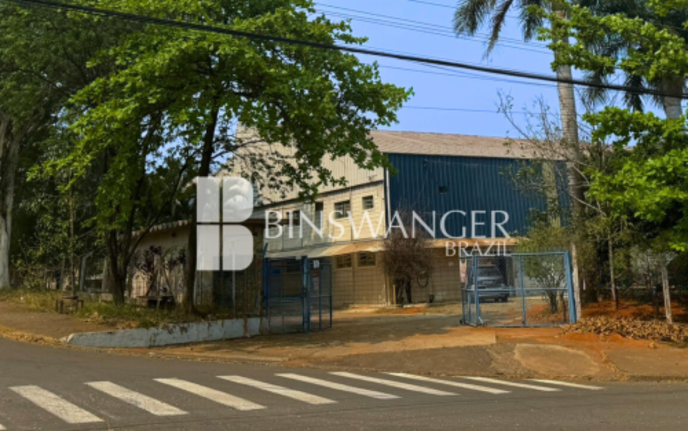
point(297, 294)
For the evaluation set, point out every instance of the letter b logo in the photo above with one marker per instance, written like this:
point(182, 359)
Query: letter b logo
point(222, 246)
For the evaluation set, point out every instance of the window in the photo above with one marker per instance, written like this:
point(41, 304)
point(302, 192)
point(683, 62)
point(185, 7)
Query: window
point(368, 203)
point(366, 259)
point(344, 261)
point(296, 217)
point(342, 209)
point(319, 214)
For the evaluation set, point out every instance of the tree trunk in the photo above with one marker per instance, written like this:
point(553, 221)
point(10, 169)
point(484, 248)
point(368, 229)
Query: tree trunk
point(672, 106)
point(203, 171)
point(569, 126)
point(115, 280)
point(666, 294)
point(576, 281)
point(9, 154)
point(612, 276)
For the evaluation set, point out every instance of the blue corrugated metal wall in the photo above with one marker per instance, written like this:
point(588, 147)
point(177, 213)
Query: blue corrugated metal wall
point(445, 183)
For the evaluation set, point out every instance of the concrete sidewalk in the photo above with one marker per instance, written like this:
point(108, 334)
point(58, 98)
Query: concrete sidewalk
point(436, 345)
point(419, 341)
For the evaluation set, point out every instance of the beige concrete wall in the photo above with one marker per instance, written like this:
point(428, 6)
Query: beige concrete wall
point(359, 285)
point(342, 167)
point(331, 233)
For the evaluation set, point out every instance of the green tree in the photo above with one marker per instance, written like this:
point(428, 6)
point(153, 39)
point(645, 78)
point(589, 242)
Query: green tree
point(43, 61)
point(611, 44)
point(649, 183)
point(645, 43)
point(184, 92)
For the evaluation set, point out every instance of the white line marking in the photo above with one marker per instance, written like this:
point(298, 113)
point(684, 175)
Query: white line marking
point(340, 387)
point(570, 385)
point(451, 383)
point(514, 384)
point(393, 384)
point(212, 394)
point(151, 405)
point(280, 390)
point(59, 407)
point(2, 428)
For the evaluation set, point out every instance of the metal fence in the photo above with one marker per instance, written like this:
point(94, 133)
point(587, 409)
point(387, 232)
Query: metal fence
point(518, 290)
point(298, 294)
point(319, 287)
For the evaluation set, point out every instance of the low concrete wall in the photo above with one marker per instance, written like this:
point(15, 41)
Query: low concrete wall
point(167, 336)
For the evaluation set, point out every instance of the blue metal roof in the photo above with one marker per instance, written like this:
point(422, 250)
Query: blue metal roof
point(426, 183)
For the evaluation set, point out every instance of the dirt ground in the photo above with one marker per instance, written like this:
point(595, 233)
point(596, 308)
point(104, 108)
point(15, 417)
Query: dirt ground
point(18, 319)
point(422, 340)
point(635, 310)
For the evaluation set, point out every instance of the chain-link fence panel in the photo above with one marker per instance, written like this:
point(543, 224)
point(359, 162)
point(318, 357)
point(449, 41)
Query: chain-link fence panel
point(518, 290)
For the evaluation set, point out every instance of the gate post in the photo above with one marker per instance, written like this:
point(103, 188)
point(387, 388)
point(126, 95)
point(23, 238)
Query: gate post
point(476, 277)
point(305, 279)
point(521, 275)
point(266, 289)
point(573, 317)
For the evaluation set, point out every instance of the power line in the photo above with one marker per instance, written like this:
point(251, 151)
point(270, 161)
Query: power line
point(448, 6)
point(440, 32)
point(476, 111)
point(335, 47)
point(465, 75)
point(433, 4)
point(430, 26)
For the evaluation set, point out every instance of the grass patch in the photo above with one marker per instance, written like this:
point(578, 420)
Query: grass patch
point(124, 316)
point(34, 300)
point(127, 316)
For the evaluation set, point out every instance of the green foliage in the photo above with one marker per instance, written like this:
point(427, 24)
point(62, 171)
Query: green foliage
point(172, 85)
point(646, 45)
point(649, 183)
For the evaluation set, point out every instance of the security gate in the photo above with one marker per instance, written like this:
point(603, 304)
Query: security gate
point(319, 288)
point(528, 289)
point(298, 294)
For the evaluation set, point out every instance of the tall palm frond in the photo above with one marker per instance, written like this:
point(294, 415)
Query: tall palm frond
point(498, 19)
point(471, 15)
point(529, 22)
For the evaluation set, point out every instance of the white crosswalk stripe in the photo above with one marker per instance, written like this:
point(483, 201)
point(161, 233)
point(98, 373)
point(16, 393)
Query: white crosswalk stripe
point(340, 387)
point(394, 384)
point(151, 405)
point(567, 384)
point(514, 384)
point(59, 407)
point(212, 394)
point(280, 390)
point(452, 383)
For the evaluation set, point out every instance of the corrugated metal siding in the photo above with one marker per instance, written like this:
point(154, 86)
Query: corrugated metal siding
point(473, 184)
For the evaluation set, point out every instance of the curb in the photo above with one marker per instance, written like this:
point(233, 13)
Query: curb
point(169, 335)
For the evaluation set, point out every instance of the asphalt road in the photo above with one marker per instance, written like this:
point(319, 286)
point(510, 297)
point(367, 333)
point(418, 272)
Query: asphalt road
point(48, 388)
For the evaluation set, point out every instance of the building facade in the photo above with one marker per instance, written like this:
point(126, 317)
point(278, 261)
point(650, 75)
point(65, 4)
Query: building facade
point(459, 185)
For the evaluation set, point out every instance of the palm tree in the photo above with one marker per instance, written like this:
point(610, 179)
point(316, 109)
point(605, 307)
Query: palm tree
point(471, 15)
point(615, 47)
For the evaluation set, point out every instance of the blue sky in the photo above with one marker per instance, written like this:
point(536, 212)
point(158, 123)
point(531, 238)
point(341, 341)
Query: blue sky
point(433, 90)
point(459, 90)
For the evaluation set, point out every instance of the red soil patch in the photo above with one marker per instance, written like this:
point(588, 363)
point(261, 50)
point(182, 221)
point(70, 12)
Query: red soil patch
point(542, 314)
point(634, 310)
